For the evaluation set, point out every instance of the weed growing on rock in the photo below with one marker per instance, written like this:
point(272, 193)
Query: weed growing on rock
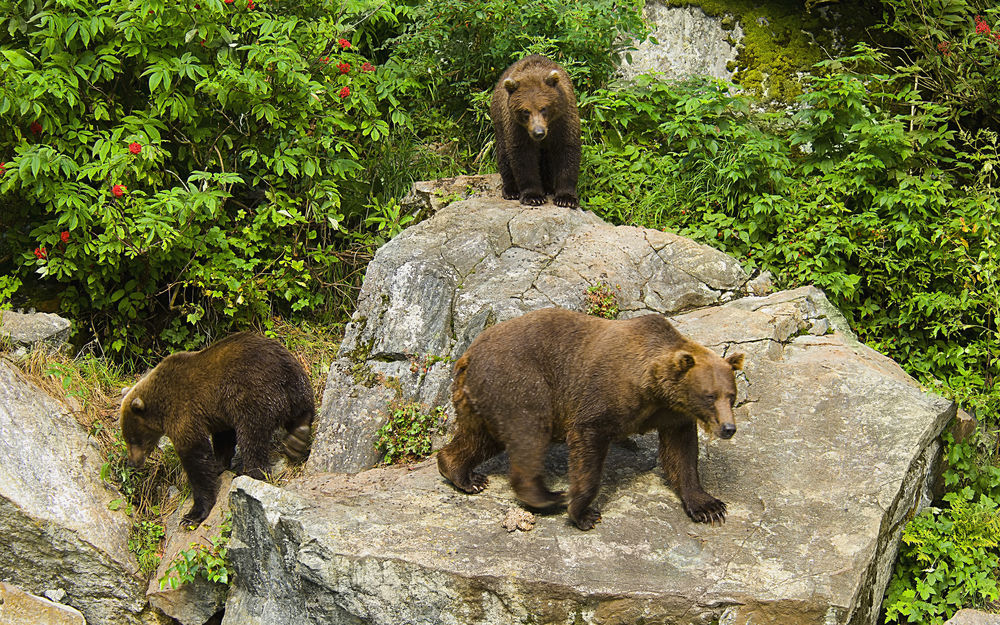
point(406, 436)
point(145, 541)
point(602, 300)
point(201, 560)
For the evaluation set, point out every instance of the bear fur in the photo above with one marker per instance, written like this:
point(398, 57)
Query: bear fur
point(235, 392)
point(554, 375)
point(537, 129)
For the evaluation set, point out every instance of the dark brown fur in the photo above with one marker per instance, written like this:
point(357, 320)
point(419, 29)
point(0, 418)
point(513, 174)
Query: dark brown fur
point(235, 392)
point(537, 133)
point(555, 375)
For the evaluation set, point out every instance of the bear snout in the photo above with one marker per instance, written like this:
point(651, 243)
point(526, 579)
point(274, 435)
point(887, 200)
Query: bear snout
point(727, 430)
point(538, 132)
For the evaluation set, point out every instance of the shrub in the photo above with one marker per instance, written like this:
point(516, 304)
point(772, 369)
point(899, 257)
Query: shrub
point(185, 165)
point(406, 436)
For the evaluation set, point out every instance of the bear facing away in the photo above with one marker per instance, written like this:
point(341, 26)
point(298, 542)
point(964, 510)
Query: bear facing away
point(235, 392)
point(555, 375)
point(537, 133)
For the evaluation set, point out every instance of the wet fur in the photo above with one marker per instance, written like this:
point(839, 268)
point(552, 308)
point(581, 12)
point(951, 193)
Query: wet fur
point(235, 392)
point(533, 168)
point(555, 375)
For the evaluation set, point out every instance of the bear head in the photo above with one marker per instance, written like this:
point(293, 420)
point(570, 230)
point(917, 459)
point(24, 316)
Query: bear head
point(535, 102)
point(697, 383)
point(141, 430)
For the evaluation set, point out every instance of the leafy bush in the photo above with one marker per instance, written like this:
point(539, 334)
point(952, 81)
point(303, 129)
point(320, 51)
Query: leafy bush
point(201, 560)
point(185, 165)
point(406, 436)
point(602, 300)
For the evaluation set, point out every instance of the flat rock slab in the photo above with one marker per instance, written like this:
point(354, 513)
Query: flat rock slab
point(833, 452)
point(56, 531)
point(973, 617)
point(20, 608)
point(432, 289)
point(28, 331)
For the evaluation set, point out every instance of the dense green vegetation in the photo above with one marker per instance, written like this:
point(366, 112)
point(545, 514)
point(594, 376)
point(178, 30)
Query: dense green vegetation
point(175, 170)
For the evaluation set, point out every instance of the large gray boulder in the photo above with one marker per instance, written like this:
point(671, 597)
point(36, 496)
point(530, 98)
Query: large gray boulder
point(27, 331)
point(56, 531)
point(432, 289)
point(833, 453)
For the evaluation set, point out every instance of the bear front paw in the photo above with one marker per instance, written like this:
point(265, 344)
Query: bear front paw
point(477, 483)
point(532, 199)
point(586, 519)
point(566, 201)
point(706, 509)
point(509, 195)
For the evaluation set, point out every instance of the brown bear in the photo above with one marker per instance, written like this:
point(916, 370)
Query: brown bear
point(537, 133)
point(235, 392)
point(554, 375)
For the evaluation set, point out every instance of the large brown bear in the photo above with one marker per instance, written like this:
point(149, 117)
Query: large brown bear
point(554, 375)
point(537, 133)
point(235, 392)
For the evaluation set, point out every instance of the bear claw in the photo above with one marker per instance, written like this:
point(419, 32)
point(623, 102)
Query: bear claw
point(587, 519)
point(712, 511)
point(566, 201)
point(532, 200)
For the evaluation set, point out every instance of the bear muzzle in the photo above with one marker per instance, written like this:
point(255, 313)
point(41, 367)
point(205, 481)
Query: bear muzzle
point(727, 430)
point(538, 132)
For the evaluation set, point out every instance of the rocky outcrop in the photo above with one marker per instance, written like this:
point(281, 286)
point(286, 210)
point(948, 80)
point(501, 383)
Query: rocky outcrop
point(477, 262)
point(833, 453)
point(56, 531)
point(20, 608)
point(973, 617)
point(688, 43)
point(35, 330)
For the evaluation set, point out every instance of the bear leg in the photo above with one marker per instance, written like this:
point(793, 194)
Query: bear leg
point(525, 163)
point(679, 459)
point(565, 168)
point(202, 471)
point(509, 190)
point(466, 451)
point(255, 450)
point(527, 463)
point(587, 451)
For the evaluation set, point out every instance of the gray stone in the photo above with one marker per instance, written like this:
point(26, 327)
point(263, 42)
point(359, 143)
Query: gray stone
point(832, 454)
point(195, 602)
point(20, 608)
point(35, 330)
point(429, 196)
point(689, 43)
point(56, 530)
point(432, 289)
point(973, 617)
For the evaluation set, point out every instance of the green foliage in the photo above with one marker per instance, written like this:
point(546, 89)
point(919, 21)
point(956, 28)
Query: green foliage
point(406, 436)
point(144, 541)
point(947, 561)
point(602, 300)
point(451, 54)
point(201, 560)
point(175, 166)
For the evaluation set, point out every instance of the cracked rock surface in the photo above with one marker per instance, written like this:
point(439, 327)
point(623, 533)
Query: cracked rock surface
point(832, 455)
point(432, 289)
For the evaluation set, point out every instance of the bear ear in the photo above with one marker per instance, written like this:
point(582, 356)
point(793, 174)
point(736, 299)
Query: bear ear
point(735, 361)
point(137, 405)
point(683, 361)
point(510, 85)
point(552, 78)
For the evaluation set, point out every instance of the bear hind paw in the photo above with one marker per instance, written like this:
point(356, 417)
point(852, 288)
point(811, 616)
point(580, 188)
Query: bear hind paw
point(587, 519)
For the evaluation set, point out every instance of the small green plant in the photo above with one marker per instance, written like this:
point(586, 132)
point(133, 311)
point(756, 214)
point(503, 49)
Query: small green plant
point(406, 436)
point(145, 542)
point(423, 363)
point(602, 300)
point(201, 560)
point(947, 561)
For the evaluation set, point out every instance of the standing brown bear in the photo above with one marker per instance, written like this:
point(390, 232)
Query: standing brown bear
point(537, 133)
point(235, 392)
point(555, 375)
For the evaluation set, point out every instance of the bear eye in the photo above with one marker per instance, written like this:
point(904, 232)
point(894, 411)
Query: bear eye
point(545, 111)
point(711, 397)
point(523, 115)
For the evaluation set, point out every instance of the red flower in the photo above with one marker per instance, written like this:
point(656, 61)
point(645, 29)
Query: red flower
point(3, 169)
point(64, 236)
point(35, 127)
point(344, 67)
point(119, 190)
point(251, 5)
point(134, 148)
point(982, 28)
point(345, 92)
point(228, 1)
point(344, 44)
point(324, 60)
point(943, 47)
point(40, 252)
point(367, 67)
